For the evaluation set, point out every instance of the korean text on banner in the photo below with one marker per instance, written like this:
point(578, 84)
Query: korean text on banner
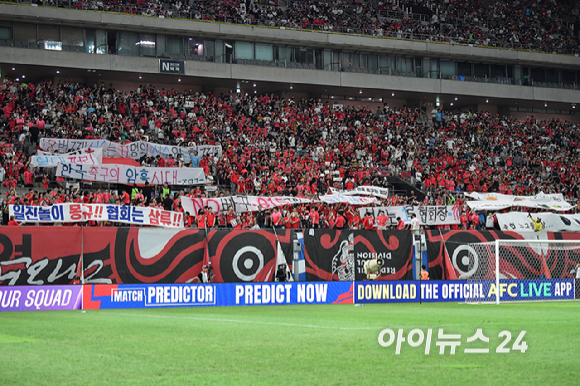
point(129, 175)
point(496, 201)
point(552, 222)
point(133, 215)
point(427, 215)
point(51, 160)
point(132, 150)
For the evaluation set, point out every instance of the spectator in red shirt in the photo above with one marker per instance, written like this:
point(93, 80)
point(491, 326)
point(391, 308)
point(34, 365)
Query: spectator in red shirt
point(277, 218)
point(210, 217)
point(13, 222)
point(369, 222)
point(315, 218)
point(340, 221)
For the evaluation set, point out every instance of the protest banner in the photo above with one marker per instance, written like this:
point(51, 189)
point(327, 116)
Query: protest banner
point(552, 222)
point(132, 150)
point(68, 213)
point(51, 160)
point(124, 174)
point(427, 215)
point(364, 190)
point(497, 201)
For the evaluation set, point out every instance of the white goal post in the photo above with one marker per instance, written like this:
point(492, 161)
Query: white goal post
point(521, 270)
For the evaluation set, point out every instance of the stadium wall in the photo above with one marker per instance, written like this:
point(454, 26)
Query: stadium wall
point(40, 255)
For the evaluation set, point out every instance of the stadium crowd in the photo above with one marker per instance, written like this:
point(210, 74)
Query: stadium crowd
point(546, 26)
point(288, 147)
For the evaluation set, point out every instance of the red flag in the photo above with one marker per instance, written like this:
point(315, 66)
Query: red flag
point(449, 270)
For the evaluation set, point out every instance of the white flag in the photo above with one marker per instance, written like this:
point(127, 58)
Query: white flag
point(281, 259)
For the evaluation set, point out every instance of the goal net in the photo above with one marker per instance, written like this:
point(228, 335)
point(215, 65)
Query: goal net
point(520, 270)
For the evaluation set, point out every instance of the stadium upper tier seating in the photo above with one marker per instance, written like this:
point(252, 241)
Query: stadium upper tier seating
point(546, 26)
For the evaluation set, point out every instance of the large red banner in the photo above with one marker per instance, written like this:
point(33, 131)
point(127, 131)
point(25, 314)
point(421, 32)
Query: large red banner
point(51, 255)
point(39, 255)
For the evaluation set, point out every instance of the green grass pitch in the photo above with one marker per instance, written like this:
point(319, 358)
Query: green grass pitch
point(279, 345)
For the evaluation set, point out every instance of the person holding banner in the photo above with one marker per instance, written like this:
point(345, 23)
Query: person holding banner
point(537, 223)
point(230, 216)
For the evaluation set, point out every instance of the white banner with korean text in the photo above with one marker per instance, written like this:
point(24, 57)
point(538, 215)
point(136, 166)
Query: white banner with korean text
point(427, 215)
point(132, 150)
point(551, 222)
point(51, 160)
point(68, 213)
point(338, 198)
point(497, 201)
point(365, 191)
point(125, 174)
point(240, 204)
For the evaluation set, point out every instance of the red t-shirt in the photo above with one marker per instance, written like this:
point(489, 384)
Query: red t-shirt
point(201, 221)
point(210, 220)
point(315, 216)
point(369, 222)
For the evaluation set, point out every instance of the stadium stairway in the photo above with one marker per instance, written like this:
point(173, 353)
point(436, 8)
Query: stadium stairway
point(404, 188)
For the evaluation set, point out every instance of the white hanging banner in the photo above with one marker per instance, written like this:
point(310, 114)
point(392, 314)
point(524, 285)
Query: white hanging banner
point(125, 174)
point(496, 201)
point(240, 204)
point(243, 204)
point(364, 190)
point(427, 215)
point(51, 160)
point(132, 150)
point(551, 222)
point(67, 213)
point(353, 200)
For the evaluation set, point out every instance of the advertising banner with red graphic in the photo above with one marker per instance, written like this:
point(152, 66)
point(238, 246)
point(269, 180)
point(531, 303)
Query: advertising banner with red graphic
point(51, 255)
point(246, 256)
point(39, 255)
point(339, 255)
point(142, 255)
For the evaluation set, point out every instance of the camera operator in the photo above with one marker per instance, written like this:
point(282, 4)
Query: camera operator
point(205, 276)
point(282, 274)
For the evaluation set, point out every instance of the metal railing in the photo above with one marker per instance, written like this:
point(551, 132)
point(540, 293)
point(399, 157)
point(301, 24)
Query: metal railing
point(335, 66)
